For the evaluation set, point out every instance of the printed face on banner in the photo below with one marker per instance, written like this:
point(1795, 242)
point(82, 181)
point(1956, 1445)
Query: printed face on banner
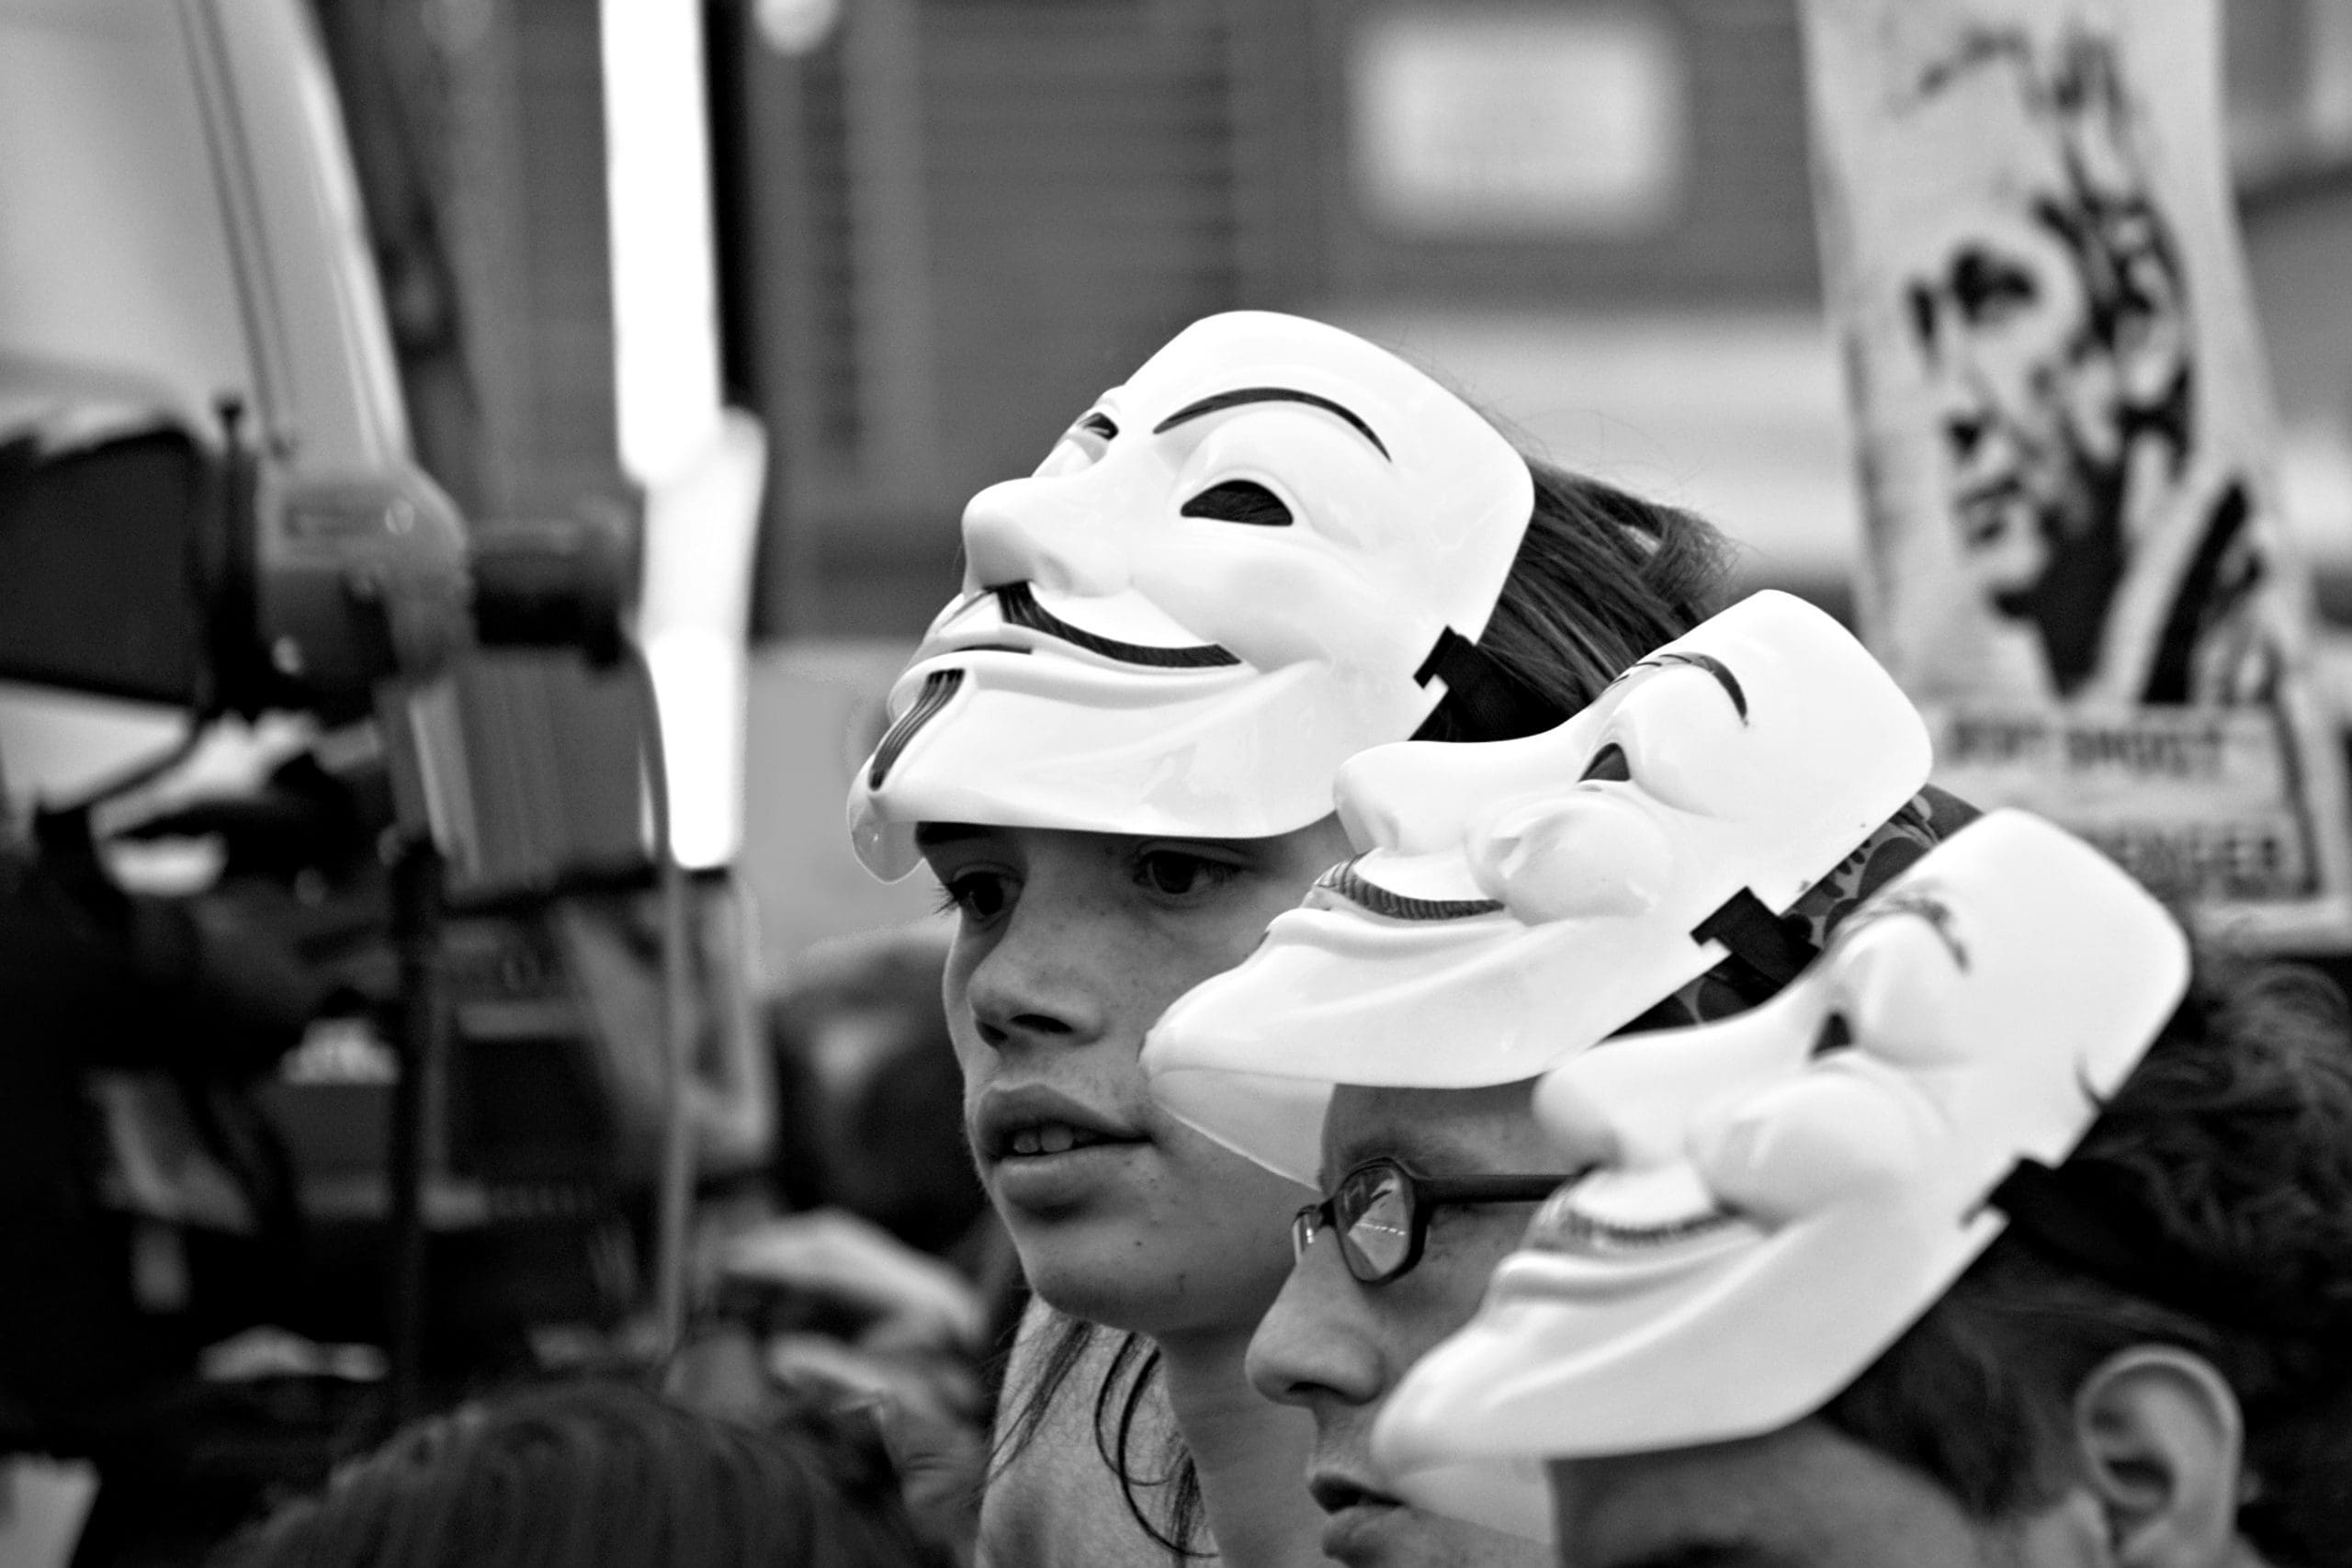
point(2056, 377)
point(2049, 321)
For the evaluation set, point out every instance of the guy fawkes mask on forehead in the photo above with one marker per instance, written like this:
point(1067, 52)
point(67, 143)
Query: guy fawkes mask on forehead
point(1517, 901)
point(1229, 575)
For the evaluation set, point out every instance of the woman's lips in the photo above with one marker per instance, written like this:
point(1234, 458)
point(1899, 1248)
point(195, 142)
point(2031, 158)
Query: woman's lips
point(1035, 1122)
point(1354, 1517)
point(1053, 1138)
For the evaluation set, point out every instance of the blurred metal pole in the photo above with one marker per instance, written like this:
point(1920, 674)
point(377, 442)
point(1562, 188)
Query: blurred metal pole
point(674, 1212)
point(416, 911)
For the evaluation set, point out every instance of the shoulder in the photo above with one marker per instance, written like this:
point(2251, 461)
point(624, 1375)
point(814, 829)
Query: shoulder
point(1056, 1504)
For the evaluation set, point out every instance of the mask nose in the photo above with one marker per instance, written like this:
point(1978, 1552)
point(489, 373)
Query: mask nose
point(1421, 797)
point(1063, 534)
point(1406, 797)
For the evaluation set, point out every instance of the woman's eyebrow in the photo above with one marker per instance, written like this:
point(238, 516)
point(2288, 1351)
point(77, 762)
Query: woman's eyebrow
point(1240, 396)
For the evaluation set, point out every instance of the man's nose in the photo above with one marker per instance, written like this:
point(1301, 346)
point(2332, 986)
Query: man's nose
point(1309, 1346)
point(1065, 534)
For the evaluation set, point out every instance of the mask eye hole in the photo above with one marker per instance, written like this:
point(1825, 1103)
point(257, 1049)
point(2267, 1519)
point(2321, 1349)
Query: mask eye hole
point(1100, 424)
point(1608, 763)
point(1239, 501)
point(1835, 1034)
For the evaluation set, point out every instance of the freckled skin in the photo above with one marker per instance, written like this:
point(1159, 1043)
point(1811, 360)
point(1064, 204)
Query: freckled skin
point(1071, 944)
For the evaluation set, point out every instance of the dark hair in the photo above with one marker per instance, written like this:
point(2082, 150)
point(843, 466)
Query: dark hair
point(596, 1473)
point(1128, 1380)
point(1602, 577)
point(2232, 1146)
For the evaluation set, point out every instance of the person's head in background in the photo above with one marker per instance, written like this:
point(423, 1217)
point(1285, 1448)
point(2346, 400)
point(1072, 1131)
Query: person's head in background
point(1982, 1245)
point(1515, 904)
point(1274, 546)
point(871, 1103)
point(602, 1474)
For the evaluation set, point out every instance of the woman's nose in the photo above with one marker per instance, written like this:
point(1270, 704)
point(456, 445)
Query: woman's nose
point(1030, 988)
point(1067, 534)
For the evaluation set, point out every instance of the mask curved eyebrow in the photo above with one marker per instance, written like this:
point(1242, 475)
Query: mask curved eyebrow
point(1925, 906)
point(1707, 661)
point(1234, 398)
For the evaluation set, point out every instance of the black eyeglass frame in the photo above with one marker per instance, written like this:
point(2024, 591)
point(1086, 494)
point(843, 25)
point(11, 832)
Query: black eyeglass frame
point(1424, 1196)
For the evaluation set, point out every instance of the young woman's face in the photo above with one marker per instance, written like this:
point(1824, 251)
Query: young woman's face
point(1071, 945)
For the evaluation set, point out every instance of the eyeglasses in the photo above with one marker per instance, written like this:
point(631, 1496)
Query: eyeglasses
point(1380, 1212)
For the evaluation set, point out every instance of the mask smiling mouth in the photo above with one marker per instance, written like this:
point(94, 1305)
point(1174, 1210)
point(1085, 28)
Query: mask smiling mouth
point(1572, 1222)
point(1017, 605)
point(1572, 1230)
point(1341, 882)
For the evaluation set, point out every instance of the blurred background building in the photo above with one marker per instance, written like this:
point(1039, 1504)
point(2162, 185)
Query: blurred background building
point(948, 224)
point(956, 219)
point(904, 242)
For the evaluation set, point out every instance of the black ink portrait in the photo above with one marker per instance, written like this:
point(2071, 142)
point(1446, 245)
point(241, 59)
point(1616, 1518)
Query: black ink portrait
point(2055, 330)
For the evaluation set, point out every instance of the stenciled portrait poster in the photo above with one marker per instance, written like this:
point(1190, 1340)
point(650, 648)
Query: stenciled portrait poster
point(2073, 556)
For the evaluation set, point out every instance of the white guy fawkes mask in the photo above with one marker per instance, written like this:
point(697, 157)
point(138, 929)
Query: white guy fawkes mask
point(1518, 900)
point(1225, 580)
point(1776, 1197)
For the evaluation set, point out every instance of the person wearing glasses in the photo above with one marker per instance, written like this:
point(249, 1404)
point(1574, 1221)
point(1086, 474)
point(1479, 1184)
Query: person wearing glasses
point(2007, 1234)
point(1272, 547)
point(1675, 851)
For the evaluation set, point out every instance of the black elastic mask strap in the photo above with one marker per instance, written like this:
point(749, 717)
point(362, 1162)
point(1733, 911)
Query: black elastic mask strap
point(1767, 951)
point(1482, 701)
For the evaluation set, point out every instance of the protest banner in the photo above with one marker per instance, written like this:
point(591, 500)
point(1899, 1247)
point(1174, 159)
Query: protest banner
point(2073, 559)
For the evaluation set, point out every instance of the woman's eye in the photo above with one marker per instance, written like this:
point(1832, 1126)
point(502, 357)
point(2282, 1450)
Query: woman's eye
point(1177, 874)
point(980, 896)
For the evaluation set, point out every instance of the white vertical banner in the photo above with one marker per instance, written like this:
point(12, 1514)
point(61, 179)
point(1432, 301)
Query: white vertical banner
point(2072, 552)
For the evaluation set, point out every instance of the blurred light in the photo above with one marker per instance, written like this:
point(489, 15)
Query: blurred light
point(699, 678)
point(693, 617)
point(796, 27)
point(665, 311)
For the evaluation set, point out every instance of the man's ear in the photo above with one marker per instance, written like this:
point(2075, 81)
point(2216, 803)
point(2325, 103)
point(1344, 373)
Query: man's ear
point(2161, 1441)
